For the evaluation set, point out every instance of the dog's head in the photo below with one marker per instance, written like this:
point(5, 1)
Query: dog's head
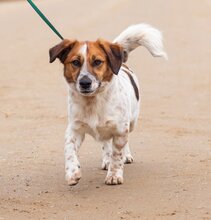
point(88, 65)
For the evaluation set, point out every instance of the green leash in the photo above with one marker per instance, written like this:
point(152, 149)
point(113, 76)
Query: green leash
point(45, 19)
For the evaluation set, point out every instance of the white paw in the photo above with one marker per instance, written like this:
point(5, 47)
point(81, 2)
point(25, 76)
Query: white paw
point(128, 159)
point(114, 175)
point(113, 179)
point(73, 177)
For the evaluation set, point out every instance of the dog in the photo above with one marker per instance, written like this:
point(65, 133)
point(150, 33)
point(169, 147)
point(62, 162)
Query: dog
point(103, 96)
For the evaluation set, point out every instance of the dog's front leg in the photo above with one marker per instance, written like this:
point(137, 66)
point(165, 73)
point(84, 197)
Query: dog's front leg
point(107, 151)
point(73, 141)
point(115, 169)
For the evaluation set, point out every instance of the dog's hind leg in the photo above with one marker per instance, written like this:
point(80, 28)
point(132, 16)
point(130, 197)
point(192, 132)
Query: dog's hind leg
point(127, 157)
point(107, 151)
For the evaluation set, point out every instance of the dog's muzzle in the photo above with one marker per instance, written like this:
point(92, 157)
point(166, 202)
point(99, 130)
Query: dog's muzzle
point(85, 84)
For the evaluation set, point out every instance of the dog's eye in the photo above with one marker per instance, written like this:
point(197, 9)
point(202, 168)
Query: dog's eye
point(97, 63)
point(76, 63)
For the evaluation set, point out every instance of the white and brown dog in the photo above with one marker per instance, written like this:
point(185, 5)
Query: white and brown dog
point(103, 96)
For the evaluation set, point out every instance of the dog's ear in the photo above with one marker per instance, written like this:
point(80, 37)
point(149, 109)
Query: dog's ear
point(115, 54)
point(61, 50)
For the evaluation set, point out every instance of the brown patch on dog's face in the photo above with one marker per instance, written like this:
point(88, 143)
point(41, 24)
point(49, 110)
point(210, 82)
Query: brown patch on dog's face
point(73, 63)
point(113, 57)
point(68, 53)
point(97, 63)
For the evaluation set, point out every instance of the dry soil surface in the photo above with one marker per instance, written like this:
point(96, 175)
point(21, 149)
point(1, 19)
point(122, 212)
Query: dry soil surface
point(171, 175)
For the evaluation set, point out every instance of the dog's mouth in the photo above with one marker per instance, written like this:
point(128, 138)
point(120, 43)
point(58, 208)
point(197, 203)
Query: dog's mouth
point(89, 92)
point(86, 92)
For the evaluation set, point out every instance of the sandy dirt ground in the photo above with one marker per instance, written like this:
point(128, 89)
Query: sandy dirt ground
point(171, 175)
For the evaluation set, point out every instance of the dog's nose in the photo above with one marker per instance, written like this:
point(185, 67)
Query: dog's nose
point(85, 82)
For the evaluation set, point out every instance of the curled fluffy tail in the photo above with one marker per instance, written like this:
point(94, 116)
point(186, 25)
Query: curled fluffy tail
point(142, 35)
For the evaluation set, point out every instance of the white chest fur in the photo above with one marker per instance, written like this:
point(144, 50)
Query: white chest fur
point(102, 116)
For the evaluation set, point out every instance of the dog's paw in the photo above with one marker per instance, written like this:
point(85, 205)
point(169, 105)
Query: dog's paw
point(113, 179)
point(73, 178)
point(128, 159)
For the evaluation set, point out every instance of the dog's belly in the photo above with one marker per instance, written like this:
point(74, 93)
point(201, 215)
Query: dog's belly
point(101, 132)
point(107, 131)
